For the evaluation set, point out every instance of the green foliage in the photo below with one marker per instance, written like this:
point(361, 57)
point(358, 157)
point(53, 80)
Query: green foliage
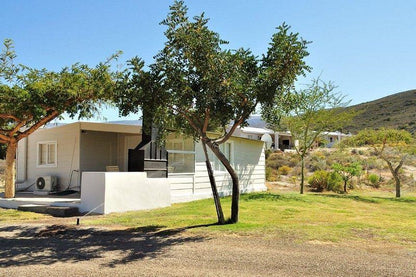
point(348, 170)
point(334, 182)
point(284, 170)
point(319, 180)
point(374, 180)
point(370, 137)
point(30, 98)
point(194, 84)
point(324, 180)
point(307, 113)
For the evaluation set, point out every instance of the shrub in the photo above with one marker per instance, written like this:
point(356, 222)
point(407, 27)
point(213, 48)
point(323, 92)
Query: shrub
point(319, 180)
point(271, 174)
point(284, 170)
point(334, 182)
point(374, 180)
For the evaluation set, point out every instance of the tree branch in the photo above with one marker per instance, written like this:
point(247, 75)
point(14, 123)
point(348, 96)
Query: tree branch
point(231, 131)
point(4, 139)
point(8, 116)
point(206, 121)
point(39, 124)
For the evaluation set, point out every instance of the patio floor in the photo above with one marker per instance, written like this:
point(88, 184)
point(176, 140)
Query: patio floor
point(29, 198)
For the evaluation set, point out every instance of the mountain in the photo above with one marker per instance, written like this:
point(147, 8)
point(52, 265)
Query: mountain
point(394, 111)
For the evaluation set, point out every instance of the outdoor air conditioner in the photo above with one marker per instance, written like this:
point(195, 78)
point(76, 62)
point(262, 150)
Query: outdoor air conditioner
point(46, 184)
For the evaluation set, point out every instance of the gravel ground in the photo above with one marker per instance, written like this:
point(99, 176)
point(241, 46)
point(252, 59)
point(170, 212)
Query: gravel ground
point(63, 250)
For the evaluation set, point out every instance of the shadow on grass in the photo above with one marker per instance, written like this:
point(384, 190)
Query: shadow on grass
point(300, 198)
point(369, 199)
point(273, 197)
point(59, 243)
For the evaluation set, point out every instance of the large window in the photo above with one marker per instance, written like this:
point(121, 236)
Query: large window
point(181, 154)
point(227, 149)
point(47, 154)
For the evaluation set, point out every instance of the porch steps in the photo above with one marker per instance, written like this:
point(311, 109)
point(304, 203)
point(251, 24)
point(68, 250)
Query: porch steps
point(52, 210)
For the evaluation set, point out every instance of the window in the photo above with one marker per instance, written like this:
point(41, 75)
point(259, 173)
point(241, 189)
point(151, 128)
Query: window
point(227, 149)
point(47, 154)
point(181, 154)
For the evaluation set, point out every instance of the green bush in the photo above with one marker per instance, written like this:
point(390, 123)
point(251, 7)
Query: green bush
point(284, 170)
point(335, 182)
point(319, 180)
point(374, 180)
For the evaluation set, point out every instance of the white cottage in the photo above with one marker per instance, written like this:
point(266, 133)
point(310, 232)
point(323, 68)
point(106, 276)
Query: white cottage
point(93, 158)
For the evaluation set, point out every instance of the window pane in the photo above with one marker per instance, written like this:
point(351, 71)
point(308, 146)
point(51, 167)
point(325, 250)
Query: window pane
point(43, 151)
point(51, 154)
point(181, 163)
point(175, 142)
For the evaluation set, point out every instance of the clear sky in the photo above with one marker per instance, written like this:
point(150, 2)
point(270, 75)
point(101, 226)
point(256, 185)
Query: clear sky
point(368, 48)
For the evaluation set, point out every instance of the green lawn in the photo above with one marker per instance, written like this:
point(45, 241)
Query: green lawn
point(323, 217)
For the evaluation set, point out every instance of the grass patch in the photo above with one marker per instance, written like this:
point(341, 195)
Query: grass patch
point(324, 217)
point(7, 215)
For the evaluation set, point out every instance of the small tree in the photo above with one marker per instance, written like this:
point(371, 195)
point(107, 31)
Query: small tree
point(390, 145)
point(195, 86)
point(347, 171)
point(307, 113)
point(30, 98)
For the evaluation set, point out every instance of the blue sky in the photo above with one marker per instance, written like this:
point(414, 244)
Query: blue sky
point(368, 48)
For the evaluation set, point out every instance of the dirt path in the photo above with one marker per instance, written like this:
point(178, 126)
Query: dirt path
point(58, 250)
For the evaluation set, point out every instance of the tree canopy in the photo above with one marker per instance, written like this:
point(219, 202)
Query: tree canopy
point(30, 98)
point(196, 85)
point(307, 113)
point(391, 145)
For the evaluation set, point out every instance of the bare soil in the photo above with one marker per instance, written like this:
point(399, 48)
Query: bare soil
point(68, 250)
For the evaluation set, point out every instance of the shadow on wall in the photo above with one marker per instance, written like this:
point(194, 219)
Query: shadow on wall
point(58, 243)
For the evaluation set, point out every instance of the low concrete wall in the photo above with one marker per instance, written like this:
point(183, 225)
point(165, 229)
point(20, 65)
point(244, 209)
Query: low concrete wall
point(107, 192)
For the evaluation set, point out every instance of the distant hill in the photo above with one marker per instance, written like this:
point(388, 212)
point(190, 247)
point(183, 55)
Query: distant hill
point(393, 111)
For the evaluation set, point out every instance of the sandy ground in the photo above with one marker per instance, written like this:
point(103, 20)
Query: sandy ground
point(65, 250)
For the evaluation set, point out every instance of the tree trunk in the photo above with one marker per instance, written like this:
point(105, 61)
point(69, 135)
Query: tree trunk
point(236, 186)
point(9, 190)
point(215, 195)
point(302, 174)
point(345, 185)
point(395, 173)
point(397, 180)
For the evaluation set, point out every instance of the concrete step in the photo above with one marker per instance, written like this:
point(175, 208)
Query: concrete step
point(52, 210)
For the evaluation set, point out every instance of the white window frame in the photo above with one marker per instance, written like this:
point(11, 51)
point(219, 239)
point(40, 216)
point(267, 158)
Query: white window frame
point(182, 139)
point(55, 144)
point(216, 164)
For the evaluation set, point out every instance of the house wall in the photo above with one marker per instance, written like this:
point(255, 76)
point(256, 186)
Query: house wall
point(67, 140)
point(107, 192)
point(247, 159)
point(98, 150)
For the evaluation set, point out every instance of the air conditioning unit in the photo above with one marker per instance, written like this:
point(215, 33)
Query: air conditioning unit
point(45, 184)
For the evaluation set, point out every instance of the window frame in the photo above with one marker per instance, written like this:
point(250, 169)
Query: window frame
point(38, 154)
point(186, 152)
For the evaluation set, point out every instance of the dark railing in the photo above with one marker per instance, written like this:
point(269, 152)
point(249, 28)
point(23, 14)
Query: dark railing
point(149, 157)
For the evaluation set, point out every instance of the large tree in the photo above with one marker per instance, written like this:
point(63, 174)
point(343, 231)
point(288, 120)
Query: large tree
point(307, 113)
point(390, 145)
point(30, 98)
point(196, 86)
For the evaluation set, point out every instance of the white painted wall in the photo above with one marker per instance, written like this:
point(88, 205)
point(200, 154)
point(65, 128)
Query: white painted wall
point(67, 139)
point(108, 192)
point(247, 159)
